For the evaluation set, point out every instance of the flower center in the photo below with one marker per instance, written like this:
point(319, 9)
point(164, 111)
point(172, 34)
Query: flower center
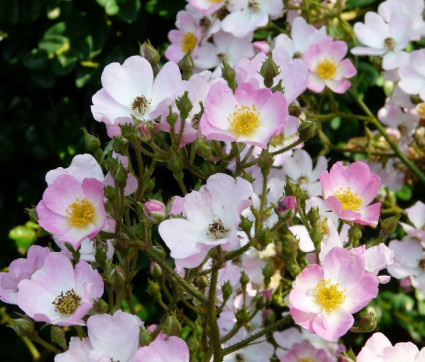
point(278, 140)
point(80, 213)
point(215, 1)
point(222, 56)
point(188, 42)
point(422, 264)
point(303, 180)
point(253, 6)
point(420, 108)
point(348, 199)
point(67, 303)
point(305, 360)
point(216, 229)
point(389, 43)
point(326, 69)
point(244, 120)
point(329, 296)
point(141, 105)
point(298, 55)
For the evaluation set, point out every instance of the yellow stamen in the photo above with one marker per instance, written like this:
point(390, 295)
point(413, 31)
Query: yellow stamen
point(327, 68)
point(305, 360)
point(188, 42)
point(67, 303)
point(80, 213)
point(328, 295)
point(215, 1)
point(349, 201)
point(244, 120)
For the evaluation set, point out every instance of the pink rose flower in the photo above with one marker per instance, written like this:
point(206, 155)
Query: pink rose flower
point(327, 67)
point(71, 210)
point(212, 218)
point(58, 293)
point(19, 270)
point(348, 191)
point(164, 348)
point(324, 298)
point(251, 115)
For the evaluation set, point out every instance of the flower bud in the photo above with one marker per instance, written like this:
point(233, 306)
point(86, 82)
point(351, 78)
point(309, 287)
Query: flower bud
point(268, 270)
point(186, 65)
point(242, 316)
point(57, 335)
point(367, 322)
point(260, 301)
point(228, 73)
point(155, 210)
point(160, 251)
point(174, 162)
point(91, 142)
point(307, 130)
point(244, 279)
point(144, 132)
point(156, 270)
point(171, 118)
point(354, 235)
point(293, 269)
point(265, 162)
point(246, 224)
point(203, 148)
point(100, 306)
point(112, 164)
point(227, 290)
point(264, 237)
point(153, 289)
point(202, 282)
point(172, 326)
point(287, 203)
point(184, 105)
point(24, 327)
point(148, 52)
point(269, 70)
point(144, 337)
point(389, 224)
point(316, 236)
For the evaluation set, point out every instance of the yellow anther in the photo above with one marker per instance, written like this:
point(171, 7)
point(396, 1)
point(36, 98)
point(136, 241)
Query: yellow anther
point(327, 68)
point(244, 120)
point(80, 213)
point(349, 201)
point(328, 295)
point(188, 42)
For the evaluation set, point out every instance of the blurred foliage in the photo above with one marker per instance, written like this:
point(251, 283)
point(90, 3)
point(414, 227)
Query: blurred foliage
point(52, 53)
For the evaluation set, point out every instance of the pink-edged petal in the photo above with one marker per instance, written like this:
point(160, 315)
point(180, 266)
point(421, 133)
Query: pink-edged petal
point(315, 83)
point(333, 325)
point(181, 236)
point(370, 214)
point(127, 81)
point(62, 193)
point(85, 275)
point(117, 335)
point(50, 221)
point(338, 86)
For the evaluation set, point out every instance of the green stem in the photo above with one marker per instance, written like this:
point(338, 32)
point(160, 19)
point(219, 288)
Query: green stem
point(37, 339)
point(392, 144)
point(183, 283)
point(214, 332)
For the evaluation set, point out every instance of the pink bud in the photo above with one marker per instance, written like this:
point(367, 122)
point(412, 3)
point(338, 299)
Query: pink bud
point(262, 46)
point(287, 203)
point(155, 210)
point(144, 132)
point(406, 284)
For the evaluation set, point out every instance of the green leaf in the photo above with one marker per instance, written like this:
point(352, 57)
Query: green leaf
point(404, 194)
point(129, 11)
point(64, 63)
point(24, 237)
point(53, 43)
point(36, 59)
